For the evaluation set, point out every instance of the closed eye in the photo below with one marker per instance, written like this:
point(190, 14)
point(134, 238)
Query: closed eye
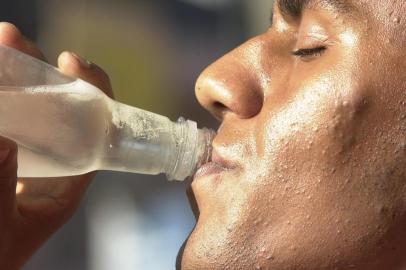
point(309, 53)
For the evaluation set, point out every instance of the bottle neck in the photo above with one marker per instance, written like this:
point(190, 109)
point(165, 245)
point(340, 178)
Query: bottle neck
point(193, 150)
point(143, 142)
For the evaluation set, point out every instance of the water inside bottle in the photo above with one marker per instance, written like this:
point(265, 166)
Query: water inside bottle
point(58, 128)
point(73, 128)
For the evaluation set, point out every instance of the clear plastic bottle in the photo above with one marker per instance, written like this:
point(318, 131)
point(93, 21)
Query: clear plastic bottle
point(65, 126)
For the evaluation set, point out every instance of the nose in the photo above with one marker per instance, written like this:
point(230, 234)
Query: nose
point(232, 85)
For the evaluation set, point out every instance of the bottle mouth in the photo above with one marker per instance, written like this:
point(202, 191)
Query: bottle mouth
point(194, 150)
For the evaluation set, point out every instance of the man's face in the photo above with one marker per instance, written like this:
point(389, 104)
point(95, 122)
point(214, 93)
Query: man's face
point(310, 160)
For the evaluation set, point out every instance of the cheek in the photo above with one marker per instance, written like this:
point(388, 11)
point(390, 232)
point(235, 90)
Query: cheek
point(313, 134)
point(306, 183)
point(324, 199)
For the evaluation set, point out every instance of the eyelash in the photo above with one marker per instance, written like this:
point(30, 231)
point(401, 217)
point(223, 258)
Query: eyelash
point(308, 54)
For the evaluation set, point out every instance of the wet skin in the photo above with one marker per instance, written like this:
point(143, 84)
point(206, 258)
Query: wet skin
point(310, 159)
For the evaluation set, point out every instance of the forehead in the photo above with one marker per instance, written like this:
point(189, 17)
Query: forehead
point(378, 10)
point(295, 8)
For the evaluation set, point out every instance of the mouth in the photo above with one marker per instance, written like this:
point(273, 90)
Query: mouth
point(216, 165)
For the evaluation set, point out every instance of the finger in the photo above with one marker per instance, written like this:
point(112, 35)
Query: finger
point(10, 36)
point(8, 175)
point(75, 66)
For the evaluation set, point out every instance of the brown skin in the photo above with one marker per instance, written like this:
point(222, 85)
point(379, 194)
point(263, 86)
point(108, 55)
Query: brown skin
point(317, 145)
point(31, 210)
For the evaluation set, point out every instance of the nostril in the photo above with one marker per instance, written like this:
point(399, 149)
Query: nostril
point(219, 109)
point(219, 106)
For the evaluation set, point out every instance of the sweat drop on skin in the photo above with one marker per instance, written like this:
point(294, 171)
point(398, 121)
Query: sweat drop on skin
point(65, 126)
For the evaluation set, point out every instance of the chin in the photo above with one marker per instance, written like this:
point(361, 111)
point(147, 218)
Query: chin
point(179, 257)
point(213, 248)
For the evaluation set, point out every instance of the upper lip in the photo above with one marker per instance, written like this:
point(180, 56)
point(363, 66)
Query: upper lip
point(220, 160)
point(216, 164)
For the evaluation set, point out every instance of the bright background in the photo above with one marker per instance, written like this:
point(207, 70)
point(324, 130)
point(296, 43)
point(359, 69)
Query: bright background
point(153, 51)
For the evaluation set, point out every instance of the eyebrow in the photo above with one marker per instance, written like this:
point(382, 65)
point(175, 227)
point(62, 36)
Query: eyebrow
point(295, 8)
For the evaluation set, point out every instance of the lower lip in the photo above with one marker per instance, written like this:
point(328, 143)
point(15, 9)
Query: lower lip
point(210, 168)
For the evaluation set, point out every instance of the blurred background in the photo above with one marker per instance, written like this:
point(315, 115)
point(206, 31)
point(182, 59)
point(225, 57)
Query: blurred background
point(153, 51)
